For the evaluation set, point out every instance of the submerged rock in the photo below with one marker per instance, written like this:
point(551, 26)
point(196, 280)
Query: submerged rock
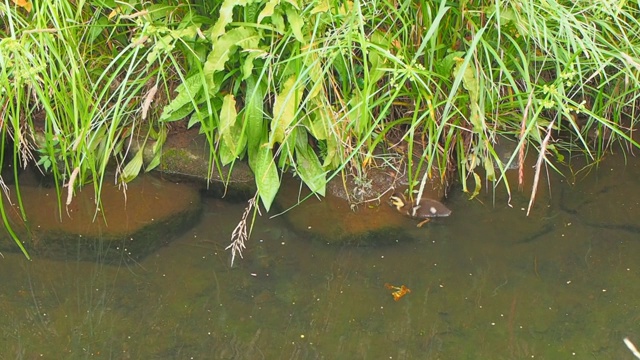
point(333, 219)
point(129, 224)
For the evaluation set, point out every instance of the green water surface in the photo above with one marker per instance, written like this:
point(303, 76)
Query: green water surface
point(486, 283)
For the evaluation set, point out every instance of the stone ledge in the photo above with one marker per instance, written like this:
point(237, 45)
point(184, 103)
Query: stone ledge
point(153, 213)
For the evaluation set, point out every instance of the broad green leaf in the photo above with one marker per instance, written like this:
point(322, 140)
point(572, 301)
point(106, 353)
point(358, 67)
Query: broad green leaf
point(316, 124)
point(476, 117)
point(490, 172)
point(187, 92)
point(225, 16)
point(193, 119)
point(469, 79)
point(377, 61)
point(294, 3)
point(471, 84)
point(312, 61)
point(96, 138)
point(323, 6)
point(228, 114)
point(267, 179)
point(268, 10)
point(245, 38)
point(444, 66)
point(278, 21)
point(284, 110)
point(132, 169)
point(332, 158)
point(247, 65)
point(296, 22)
point(320, 130)
point(254, 117)
point(286, 151)
point(251, 11)
point(260, 155)
point(181, 113)
point(166, 44)
point(161, 137)
point(186, 32)
point(157, 157)
point(159, 11)
point(231, 133)
point(225, 154)
point(309, 169)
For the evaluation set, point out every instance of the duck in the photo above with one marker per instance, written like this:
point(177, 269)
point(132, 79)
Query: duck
point(423, 209)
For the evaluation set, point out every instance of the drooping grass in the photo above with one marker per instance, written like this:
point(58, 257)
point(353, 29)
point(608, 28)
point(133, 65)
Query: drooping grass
point(72, 81)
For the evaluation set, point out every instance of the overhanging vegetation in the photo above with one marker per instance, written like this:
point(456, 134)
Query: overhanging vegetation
point(316, 86)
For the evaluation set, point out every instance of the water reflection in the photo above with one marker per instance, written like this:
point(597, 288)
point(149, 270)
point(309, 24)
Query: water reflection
point(485, 283)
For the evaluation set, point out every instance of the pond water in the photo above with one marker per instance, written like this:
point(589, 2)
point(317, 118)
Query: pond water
point(486, 283)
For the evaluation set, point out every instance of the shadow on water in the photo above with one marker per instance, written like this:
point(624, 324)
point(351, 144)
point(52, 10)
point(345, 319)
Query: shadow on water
point(486, 283)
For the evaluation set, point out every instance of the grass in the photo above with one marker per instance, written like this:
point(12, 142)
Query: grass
point(319, 87)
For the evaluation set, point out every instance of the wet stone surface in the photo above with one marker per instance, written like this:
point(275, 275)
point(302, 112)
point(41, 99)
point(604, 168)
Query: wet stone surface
point(128, 225)
point(332, 220)
point(186, 157)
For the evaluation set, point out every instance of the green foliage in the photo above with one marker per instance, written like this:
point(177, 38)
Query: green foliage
point(72, 77)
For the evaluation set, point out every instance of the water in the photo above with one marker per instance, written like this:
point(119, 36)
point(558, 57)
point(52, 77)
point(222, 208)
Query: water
point(486, 283)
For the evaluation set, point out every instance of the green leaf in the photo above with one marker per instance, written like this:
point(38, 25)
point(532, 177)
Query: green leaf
point(166, 44)
point(187, 93)
point(316, 78)
point(490, 172)
point(267, 179)
point(478, 187)
point(161, 137)
point(284, 110)
point(97, 28)
point(316, 123)
point(133, 168)
point(228, 113)
point(193, 119)
point(294, 3)
point(323, 6)
point(254, 117)
point(230, 132)
point(332, 158)
point(44, 161)
point(296, 22)
point(226, 46)
point(444, 66)
point(247, 65)
point(225, 154)
point(377, 61)
point(470, 82)
point(268, 10)
point(309, 168)
point(469, 79)
point(260, 154)
point(251, 12)
point(278, 21)
point(225, 16)
point(154, 162)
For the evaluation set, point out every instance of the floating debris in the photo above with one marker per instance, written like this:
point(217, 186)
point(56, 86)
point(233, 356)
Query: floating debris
point(399, 291)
